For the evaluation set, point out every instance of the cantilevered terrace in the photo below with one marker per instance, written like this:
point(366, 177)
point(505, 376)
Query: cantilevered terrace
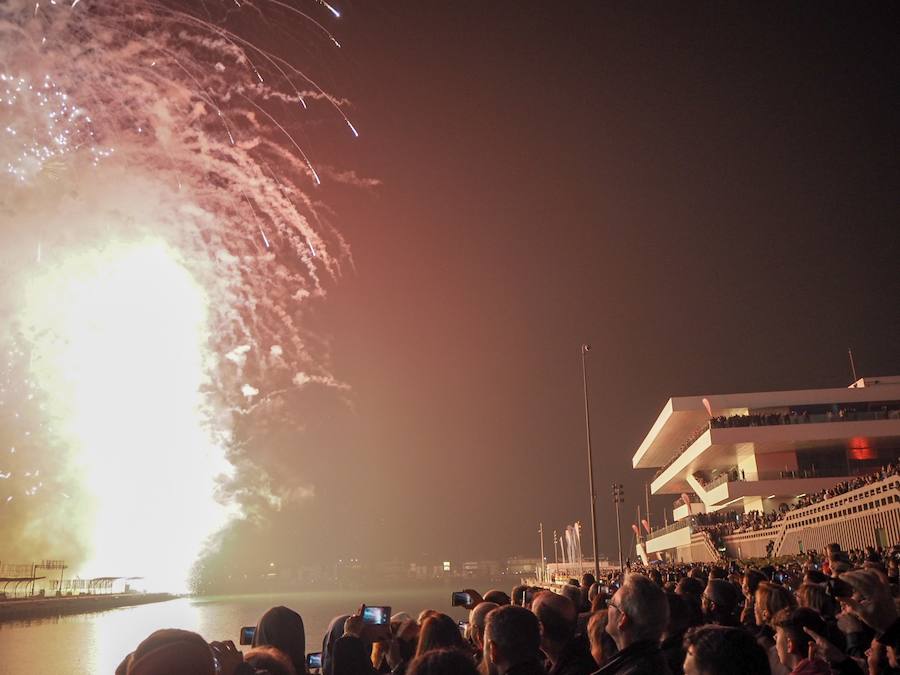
point(754, 451)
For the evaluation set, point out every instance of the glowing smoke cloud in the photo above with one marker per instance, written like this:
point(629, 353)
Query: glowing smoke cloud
point(157, 242)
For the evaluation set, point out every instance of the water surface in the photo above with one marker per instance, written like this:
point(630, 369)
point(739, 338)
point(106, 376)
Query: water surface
point(96, 643)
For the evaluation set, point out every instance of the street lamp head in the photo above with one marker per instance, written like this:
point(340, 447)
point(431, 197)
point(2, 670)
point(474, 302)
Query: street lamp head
point(585, 348)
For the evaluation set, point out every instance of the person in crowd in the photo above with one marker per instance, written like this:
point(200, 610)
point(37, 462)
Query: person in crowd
point(518, 595)
point(721, 603)
point(691, 586)
point(439, 632)
point(282, 628)
point(680, 620)
point(587, 581)
point(395, 654)
point(792, 642)
point(749, 583)
point(720, 650)
point(512, 642)
point(602, 646)
point(566, 652)
point(443, 662)
point(334, 632)
point(477, 621)
point(271, 661)
point(172, 651)
point(573, 593)
point(350, 654)
point(691, 590)
point(427, 613)
point(816, 597)
point(496, 596)
point(771, 599)
point(637, 616)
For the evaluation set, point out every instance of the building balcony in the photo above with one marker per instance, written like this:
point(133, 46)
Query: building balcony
point(718, 447)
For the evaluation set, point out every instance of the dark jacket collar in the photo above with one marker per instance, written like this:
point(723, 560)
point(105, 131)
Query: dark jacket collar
point(633, 652)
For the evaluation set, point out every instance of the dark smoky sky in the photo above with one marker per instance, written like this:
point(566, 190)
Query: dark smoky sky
point(706, 192)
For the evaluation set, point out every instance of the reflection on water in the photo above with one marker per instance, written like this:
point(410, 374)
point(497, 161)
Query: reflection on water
point(96, 643)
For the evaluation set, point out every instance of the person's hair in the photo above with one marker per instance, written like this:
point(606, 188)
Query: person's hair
point(405, 633)
point(573, 593)
point(680, 615)
point(496, 596)
point(772, 598)
point(720, 650)
point(792, 620)
point(478, 614)
point(425, 613)
point(518, 594)
point(588, 580)
point(690, 586)
point(718, 573)
point(597, 635)
point(439, 631)
point(270, 659)
point(516, 632)
point(645, 604)
point(726, 599)
point(815, 597)
point(442, 662)
point(171, 650)
point(815, 577)
point(753, 579)
point(558, 616)
point(600, 601)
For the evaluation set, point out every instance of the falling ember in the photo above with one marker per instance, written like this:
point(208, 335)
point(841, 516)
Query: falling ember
point(137, 148)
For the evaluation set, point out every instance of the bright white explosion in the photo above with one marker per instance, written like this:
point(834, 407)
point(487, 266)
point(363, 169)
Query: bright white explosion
point(158, 242)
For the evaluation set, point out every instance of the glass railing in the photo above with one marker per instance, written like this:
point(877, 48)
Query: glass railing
point(776, 419)
point(681, 524)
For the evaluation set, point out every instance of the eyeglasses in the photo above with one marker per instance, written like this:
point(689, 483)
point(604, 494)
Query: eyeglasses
point(610, 603)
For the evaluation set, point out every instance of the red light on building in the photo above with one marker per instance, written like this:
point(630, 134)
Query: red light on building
point(860, 450)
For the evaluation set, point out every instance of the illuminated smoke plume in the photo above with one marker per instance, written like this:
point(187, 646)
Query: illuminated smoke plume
point(158, 242)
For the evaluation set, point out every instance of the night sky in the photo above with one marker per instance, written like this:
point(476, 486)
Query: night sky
point(705, 192)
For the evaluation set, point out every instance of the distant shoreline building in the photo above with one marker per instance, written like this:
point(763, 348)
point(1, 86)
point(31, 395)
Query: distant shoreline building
point(767, 451)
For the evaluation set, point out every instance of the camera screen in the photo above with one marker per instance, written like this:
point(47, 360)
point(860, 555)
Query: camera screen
point(377, 615)
point(314, 660)
point(247, 635)
point(460, 599)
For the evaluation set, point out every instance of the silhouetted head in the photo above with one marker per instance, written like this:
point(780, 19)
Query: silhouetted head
point(439, 632)
point(443, 662)
point(282, 628)
point(170, 652)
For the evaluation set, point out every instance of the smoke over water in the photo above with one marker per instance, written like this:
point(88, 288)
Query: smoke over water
point(158, 242)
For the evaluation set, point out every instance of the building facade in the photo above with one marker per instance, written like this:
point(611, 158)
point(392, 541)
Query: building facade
point(764, 453)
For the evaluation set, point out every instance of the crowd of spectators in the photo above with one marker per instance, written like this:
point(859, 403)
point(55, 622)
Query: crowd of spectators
point(829, 612)
point(724, 523)
point(836, 414)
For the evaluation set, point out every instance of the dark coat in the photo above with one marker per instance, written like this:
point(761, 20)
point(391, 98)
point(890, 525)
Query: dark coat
point(641, 658)
point(575, 659)
point(528, 668)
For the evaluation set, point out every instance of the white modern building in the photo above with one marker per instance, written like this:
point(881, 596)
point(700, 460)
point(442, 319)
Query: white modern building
point(765, 451)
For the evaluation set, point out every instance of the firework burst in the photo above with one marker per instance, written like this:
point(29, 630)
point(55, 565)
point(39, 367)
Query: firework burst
point(159, 240)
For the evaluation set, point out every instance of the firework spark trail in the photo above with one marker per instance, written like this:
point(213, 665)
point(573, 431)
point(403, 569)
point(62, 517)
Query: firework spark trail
point(145, 158)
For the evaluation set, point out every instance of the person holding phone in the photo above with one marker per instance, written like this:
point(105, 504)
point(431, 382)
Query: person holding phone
point(282, 628)
point(350, 654)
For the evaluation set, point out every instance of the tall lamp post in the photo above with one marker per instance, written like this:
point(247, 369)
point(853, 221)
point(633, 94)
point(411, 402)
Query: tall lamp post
point(619, 498)
point(585, 348)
